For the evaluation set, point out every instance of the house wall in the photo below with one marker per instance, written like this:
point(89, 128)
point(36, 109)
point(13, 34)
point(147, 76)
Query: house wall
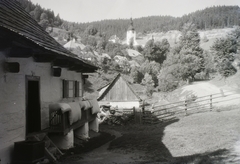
point(12, 99)
point(131, 35)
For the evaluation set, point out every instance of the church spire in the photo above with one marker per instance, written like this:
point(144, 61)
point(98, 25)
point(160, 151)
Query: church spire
point(131, 25)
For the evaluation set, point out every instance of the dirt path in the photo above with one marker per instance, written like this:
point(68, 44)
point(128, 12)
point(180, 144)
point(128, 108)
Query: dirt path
point(102, 155)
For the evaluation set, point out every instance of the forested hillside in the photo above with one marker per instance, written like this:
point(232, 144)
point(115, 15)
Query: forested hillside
point(162, 65)
point(209, 18)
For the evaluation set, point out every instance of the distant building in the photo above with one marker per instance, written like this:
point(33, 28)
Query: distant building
point(72, 44)
point(131, 34)
point(114, 39)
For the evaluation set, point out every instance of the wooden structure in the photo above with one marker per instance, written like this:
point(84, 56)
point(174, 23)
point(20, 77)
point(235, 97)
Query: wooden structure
point(35, 71)
point(59, 122)
point(195, 105)
point(119, 93)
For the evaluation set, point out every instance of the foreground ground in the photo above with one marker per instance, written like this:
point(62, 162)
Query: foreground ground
point(203, 137)
point(209, 137)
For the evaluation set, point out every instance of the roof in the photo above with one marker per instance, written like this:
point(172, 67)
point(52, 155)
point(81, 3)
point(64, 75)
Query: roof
point(133, 63)
point(131, 28)
point(106, 55)
point(133, 53)
point(73, 44)
point(104, 90)
point(15, 19)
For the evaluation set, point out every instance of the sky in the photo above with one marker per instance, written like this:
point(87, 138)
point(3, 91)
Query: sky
point(96, 10)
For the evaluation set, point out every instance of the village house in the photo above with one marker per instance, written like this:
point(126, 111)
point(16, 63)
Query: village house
point(119, 94)
point(36, 74)
point(114, 39)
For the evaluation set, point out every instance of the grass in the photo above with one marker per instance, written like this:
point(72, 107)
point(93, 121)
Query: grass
point(203, 132)
point(210, 137)
point(199, 138)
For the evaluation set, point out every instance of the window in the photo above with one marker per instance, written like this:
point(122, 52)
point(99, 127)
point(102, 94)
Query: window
point(72, 89)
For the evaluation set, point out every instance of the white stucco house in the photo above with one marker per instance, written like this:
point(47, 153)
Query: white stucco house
point(35, 71)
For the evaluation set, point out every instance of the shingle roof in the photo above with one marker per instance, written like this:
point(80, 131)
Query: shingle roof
point(105, 89)
point(14, 18)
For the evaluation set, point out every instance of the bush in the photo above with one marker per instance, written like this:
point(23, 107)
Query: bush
point(149, 90)
point(166, 85)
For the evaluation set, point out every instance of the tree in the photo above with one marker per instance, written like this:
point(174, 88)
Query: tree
point(91, 30)
point(191, 54)
point(57, 21)
point(43, 16)
point(136, 75)
point(224, 50)
point(131, 43)
point(166, 80)
point(208, 64)
point(156, 51)
point(37, 13)
point(139, 48)
point(183, 62)
point(170, 73)
point(149, 83)
point(110, 47)
point(44, 23)
point(152, 68)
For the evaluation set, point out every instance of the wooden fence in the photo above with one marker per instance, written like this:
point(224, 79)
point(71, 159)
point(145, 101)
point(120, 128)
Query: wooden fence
point(188, 106)
point(195, 103)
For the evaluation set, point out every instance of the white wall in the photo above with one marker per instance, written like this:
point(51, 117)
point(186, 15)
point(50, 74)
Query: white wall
point(131, 35)
point(12, 99)
point(127, 105)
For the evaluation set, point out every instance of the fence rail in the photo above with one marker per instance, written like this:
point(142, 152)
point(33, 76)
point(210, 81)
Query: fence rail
point(200, 103)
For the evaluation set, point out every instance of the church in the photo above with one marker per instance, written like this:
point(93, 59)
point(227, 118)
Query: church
point(131, 35)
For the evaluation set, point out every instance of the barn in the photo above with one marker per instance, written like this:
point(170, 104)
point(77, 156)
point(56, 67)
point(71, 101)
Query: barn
point(119, 94)
point(36, 74)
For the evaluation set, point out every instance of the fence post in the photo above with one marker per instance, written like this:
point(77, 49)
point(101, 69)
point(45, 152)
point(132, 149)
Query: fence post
point(210, 102)
point(137, 115)
point(185, 103)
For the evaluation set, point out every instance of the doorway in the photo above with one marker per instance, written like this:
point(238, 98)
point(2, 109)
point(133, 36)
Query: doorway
point(33, 108)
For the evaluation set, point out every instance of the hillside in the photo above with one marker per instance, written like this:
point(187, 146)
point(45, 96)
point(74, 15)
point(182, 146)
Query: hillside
point(207, 37)
point(208, 18)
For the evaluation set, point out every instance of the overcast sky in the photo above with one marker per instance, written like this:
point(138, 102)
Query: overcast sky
point(95, 10)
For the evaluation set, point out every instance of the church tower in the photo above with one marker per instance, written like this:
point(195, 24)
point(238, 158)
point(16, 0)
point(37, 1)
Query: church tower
point(131, 34)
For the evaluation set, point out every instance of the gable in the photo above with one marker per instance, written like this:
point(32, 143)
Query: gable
point(118, 90)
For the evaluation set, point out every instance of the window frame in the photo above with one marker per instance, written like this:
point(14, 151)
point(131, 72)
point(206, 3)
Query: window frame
point(77, 89)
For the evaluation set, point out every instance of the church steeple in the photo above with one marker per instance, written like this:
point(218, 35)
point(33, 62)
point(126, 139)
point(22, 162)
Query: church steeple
point(131, 25)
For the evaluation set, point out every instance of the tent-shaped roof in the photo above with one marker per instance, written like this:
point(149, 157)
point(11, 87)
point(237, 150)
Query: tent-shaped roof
point(73, 44)
point(16, 20)
point(105, 89)
point(133, 53)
